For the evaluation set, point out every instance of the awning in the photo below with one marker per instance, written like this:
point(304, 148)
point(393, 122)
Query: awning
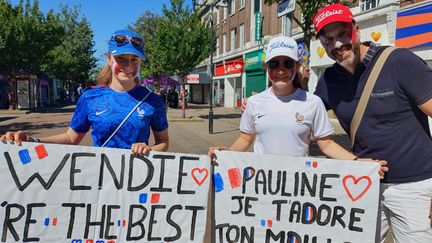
point(165, 81)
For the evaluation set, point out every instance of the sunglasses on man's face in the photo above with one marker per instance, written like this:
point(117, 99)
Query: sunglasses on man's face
point(123, 39)
point(289, 64)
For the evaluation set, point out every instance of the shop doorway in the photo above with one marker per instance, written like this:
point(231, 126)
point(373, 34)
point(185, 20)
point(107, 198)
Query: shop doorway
point(218, 92)
point(23, 94)
point(237, 92)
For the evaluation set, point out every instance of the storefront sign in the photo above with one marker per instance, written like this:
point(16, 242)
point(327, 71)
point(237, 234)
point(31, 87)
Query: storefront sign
point(286, 7)
point(193, 79)
point(258, 26)
point(254, 60)
point(230, 67)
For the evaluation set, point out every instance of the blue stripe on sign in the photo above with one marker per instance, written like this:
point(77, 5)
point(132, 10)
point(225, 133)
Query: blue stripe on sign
point(420, 10)
point(414, 30)
point(46, 223)
point(422, 45)
point(24, 156)
point(263, 222)
point(218, 182)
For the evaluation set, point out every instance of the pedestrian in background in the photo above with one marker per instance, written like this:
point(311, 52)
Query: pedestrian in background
point(284, 118)
point(394, 125)
point(120, 112)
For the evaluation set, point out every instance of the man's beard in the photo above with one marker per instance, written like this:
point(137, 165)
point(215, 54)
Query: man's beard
point(354, 57)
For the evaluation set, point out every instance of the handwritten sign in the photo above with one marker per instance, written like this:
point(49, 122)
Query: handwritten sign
point(59, 193)
point(269, 198)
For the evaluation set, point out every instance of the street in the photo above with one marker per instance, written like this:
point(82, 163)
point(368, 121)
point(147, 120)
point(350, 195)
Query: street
point(187, 135)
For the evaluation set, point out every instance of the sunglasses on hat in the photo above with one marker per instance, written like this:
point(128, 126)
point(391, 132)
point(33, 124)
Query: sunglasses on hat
point(123, 39)
point(289, 64)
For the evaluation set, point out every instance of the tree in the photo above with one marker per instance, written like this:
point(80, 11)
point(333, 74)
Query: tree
point(72, 60)
point(147, 26)
point(308, 9)
point(182, 41)
point(25, 39)
point(53, 45)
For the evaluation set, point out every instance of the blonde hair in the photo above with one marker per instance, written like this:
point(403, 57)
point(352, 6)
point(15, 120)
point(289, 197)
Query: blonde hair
point(105, 75)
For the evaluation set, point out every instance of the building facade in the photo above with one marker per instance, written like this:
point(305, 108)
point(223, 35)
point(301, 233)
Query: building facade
point(243, 29)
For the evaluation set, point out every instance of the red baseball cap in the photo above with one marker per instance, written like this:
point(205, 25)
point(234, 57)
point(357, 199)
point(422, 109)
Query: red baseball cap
point(330, 14)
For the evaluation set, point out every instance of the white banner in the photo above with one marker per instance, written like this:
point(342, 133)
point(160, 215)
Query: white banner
point(269, 198)
point(60, 193)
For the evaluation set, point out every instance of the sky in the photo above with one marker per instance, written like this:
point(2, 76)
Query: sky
point(107, 16)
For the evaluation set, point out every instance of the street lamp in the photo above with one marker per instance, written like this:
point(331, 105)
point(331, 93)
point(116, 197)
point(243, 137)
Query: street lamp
point(213, 3)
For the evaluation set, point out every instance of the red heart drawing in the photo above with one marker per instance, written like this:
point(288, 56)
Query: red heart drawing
point(197, 175)
point(356, 180)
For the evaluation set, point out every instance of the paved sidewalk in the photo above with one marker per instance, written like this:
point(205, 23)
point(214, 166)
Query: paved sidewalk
point(225, 129)
point(187, 135)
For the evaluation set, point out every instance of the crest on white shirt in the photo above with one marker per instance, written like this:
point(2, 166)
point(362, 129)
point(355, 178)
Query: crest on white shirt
point(299, 118)
point(140, 112)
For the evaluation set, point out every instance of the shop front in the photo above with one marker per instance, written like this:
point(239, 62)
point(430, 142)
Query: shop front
point(255, 73)
point(227, 83)
point(4, 89)
point(43, 93)
point(30, 92)
point(198, 82)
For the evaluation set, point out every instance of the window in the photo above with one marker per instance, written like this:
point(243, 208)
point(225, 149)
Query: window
point(232, 39)
point(216, 16)
point(231, 7)
point(242, 3)
point(217, 47)
point(242, 36)
point(257, 6)
point(224, 43)
point(225, 13)
point(368, 4)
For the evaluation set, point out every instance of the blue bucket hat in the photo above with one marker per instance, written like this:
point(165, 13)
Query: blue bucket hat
point(127, 47)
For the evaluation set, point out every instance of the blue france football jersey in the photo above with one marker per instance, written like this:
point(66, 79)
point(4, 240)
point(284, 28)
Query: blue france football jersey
point(103, 109)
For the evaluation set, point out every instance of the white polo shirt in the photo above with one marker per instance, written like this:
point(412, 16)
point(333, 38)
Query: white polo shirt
point(285, 125)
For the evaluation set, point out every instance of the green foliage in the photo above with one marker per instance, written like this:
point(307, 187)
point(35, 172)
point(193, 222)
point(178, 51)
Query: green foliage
point(174, 43)
point(147, 26)
point(309, 8)
point(54, 45)
point(182, 40)
point(73, 58)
